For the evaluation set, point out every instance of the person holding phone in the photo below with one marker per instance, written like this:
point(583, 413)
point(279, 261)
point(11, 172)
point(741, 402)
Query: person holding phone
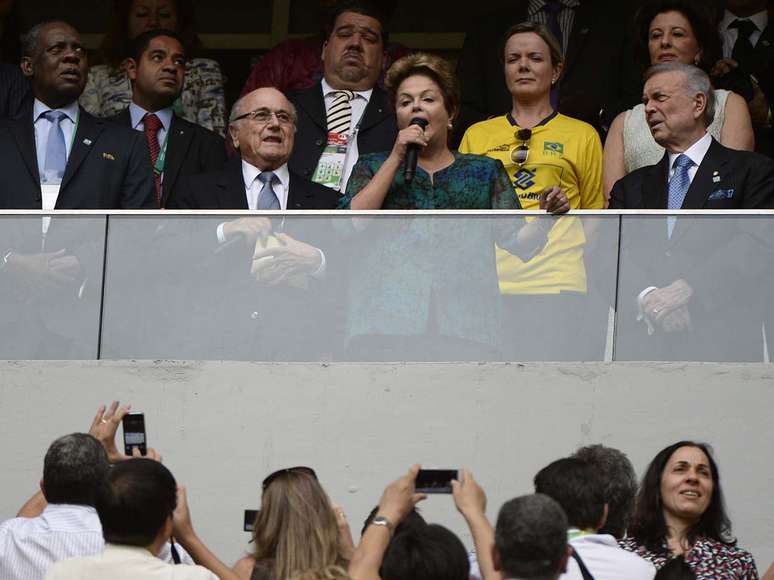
point(544, 152)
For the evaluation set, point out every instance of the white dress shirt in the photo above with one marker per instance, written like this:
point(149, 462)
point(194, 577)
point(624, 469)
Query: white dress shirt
point(606, 560)
point(729, 35)
point(253, 185)
point(125, 563)
point(359, 104)
point(29, 546)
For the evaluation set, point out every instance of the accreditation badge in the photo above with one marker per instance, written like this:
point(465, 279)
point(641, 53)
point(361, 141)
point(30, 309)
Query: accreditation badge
point(330, 168)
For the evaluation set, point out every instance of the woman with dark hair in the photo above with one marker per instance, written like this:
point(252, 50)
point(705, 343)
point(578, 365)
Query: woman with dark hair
point(108, 91)
point(297, 529)
point(680, 511)
point(675, 31)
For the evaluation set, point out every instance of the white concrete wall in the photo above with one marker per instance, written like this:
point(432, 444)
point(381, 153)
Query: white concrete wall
point(223, 426)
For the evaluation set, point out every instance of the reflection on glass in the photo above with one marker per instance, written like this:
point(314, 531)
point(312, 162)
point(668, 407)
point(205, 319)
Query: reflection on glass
point(50, 286)
point(699, 295)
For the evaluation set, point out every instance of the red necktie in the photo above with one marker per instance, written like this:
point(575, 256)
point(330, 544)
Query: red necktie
point(152, 125)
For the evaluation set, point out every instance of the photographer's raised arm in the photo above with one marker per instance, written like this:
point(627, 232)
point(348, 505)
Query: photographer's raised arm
point(397, 500)
point(470, 500)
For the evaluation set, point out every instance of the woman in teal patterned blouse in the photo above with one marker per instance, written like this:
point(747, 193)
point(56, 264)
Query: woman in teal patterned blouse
point(426, 288)
point(108, 91)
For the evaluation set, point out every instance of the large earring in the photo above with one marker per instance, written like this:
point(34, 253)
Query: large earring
point(449, 126)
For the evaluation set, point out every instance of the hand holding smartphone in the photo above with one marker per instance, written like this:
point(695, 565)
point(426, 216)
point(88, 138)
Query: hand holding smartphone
point(134, 433)
point(435, 480)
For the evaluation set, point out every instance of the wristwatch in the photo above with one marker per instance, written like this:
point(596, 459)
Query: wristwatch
point(382, 521)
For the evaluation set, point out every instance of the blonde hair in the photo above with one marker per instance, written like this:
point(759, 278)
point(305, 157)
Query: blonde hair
point(434, 67)
point(327, 573)
point(296, 527)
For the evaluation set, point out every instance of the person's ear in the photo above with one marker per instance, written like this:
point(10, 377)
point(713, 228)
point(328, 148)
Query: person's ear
point(234, 134)
point(701, 105)
point(603, 518)
point(565, 559)
point(558, 68)
point(42, 488)
point(324, 47)
point(26, 67)
point(131, 69)
point(496, 561)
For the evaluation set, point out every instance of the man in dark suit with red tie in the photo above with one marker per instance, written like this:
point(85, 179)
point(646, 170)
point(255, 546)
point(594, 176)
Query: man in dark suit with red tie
point(690, 286)
point(177, 147)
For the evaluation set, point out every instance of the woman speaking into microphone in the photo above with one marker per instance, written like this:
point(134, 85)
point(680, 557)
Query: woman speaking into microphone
point(424, 92)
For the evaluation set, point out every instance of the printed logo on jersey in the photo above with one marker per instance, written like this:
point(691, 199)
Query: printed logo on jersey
point(505, 147)
point(553, 148)
point(524, 179)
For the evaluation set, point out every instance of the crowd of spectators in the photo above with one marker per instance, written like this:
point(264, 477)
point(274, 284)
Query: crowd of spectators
point(101, 513)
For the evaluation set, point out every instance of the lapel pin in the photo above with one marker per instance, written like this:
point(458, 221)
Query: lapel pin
point(715, 176)
point(87, 141)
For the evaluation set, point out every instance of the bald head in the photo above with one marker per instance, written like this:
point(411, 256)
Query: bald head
point(262, 126)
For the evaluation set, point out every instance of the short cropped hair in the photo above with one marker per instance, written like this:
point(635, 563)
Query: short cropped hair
point(73, 469)
point(554, 48)
point(696, 80)
point(577, 487)
point(431, 552)
point(30, 40)
point(364, 7)
point(434, 67)
point(141, 43)
point(135, 501)
point(531, 537)
point(620, 482)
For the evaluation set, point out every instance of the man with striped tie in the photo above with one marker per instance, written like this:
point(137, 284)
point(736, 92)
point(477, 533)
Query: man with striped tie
point(346, 113)
point(687, 276)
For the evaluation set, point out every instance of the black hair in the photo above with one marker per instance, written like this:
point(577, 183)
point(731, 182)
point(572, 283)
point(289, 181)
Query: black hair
point(135, 501)
point(429, 552)
point(620, 482)
point(141, 43)
point(364, 7)
point(577, 487)
point(675, 569)
point(531, 536)
point(699, 13)
point(648, 525)
point(73, 469)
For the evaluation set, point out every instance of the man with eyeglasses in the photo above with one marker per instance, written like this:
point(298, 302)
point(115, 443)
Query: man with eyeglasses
point(177, 147)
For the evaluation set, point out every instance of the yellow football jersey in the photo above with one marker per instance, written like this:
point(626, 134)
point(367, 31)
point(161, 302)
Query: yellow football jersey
point(562, 151)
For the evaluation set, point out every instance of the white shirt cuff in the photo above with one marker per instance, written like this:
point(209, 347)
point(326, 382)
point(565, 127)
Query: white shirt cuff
point(641, 314)
point(220, 234)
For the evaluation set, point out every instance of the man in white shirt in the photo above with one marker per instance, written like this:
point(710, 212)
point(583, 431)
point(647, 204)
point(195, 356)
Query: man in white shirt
point(688, 277)
point(346, 114)
point(579, 488)
point(135, 506)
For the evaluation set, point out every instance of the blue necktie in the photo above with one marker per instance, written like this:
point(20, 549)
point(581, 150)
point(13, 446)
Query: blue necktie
point(267, 199)
point(56, 150)
point(678, 187)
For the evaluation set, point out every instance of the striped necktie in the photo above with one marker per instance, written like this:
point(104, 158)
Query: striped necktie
point(340, 113)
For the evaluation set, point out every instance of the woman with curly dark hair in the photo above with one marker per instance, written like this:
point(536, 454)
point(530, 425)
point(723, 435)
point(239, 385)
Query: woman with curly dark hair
point(108, 90)
point(680, 511)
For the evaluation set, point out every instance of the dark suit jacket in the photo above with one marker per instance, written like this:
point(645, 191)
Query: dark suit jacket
point(377, 131)
point(226, 190)
point(763, 69)
point(108, 167)
point(721, 258)
point(14, 91)
point(191, 149)
point(599, 74)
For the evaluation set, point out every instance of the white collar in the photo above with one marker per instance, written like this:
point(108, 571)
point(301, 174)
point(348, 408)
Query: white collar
point(137, 113)
point(70, 110)
point(695, 152)
point(760, 19)
point(250, 172)
point(328, 89)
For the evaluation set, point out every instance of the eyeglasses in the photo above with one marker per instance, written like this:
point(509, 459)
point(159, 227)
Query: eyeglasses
point(263, 116)
point(520, 153)
point(300, 469)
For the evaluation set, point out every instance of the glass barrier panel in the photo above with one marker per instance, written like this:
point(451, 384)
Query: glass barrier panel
point(699, 294)
point(50, 286)
point(419, 287)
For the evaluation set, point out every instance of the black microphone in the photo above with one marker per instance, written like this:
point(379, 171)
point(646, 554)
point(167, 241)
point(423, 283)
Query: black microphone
point(412, 152)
